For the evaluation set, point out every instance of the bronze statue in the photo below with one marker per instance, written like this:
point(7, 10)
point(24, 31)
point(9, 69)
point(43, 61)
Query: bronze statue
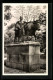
point(25, 31)
point(18, 30)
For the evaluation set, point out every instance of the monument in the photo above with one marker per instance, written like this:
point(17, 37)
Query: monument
point(23, 54)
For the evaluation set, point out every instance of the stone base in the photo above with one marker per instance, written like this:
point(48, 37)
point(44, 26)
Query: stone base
point(24, 67)
point(24, 56)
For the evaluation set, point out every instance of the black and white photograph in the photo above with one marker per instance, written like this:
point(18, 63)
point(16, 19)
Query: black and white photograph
point(24, 38)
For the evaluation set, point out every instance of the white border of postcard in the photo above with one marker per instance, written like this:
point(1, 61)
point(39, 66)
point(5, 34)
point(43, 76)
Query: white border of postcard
point(28, 74)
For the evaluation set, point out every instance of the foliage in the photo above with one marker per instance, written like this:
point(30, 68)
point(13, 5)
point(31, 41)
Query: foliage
point(41, 37)
point(7, 8)
point(7, 13)
point(42, 18)
point(9, 35)
point(41, 34)
point(7, 16)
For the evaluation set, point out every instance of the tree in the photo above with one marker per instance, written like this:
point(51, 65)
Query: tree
point(7, 8)
point(9, 34)
point(42, 18)
point(7, 14)
point(42, 37)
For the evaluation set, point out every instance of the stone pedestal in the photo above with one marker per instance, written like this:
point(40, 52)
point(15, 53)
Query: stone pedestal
point(24, 56)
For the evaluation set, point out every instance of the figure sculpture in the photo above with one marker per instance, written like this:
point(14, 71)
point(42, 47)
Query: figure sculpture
point(25, 31)
point(18, 30)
